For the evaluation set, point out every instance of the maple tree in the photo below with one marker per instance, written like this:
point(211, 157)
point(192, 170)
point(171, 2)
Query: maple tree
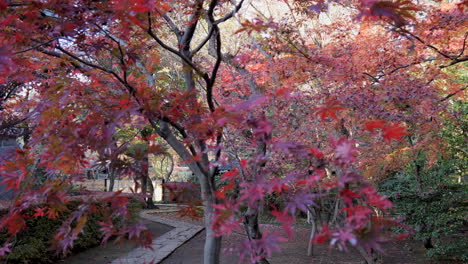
point(307, 119)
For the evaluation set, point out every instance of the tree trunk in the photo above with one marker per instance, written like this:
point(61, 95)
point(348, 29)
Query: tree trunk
point(253, 231)
point(150, 203)
point(171, 168)
point(111, 183)
point(212, 249)
point(428, 243)
point(144, 179)
point(211, 252)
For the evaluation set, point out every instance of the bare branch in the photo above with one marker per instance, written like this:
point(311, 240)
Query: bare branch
point(171, 25)
point(203, 42)
point(464, 45)
point(455, 61)
point(375, 79)
point(406, 32)
point(130, 89)
point(230, 15)
point(172, 50)
point(453, 94)
point(13, 123)
point(37, 46)
point(189, 30)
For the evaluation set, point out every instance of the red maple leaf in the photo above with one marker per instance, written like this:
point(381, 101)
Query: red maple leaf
point(373, 125)
point(375, 199)
point(286, 221)
point(39, 212)
point(323, 236)
point(316, 152)
point(347, 195)
point(243, 163)
point(3, 4)
point(230, 174)
point(221, 193)
point(15, 223)
point(329, 109)
point(107, 229)
point(52, 214)
point(394, 132)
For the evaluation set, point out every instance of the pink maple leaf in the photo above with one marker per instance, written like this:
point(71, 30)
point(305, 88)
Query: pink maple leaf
point(345, 150)
point(268, 243)
point(107, 228)
point(6, 64)
point(300, 200)
point(134, 231)
point(252, 193)
point(5, 249)
point(342, 237)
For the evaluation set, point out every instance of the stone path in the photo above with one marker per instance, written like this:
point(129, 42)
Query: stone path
point(164, 245)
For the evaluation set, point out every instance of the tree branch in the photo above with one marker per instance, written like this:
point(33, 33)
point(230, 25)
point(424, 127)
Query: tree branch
point(130, 89)
point(230, 15)
point(404, 31)
point(171, 25)
point(189, 31)
point(36, 47)
point(203, 42)
point(453, 94)
point(375, 79)
point(172, 50)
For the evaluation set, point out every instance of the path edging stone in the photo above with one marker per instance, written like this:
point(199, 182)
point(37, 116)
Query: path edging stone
point(163, 245)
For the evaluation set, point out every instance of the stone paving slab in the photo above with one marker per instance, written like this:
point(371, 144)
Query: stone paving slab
point(162, 245)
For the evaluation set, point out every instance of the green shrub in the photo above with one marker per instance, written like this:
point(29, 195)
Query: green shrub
point(433, 199)
point(33, 245)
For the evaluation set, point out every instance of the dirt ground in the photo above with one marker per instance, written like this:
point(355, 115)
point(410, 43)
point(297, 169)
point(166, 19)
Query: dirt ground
point(295, 251)
point(106, 253)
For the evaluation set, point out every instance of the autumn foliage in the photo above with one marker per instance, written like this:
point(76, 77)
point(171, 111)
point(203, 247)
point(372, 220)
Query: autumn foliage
point(313, 112)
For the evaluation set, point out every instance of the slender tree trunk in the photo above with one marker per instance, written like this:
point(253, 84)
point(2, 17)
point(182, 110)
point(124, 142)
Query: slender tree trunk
point(144, 178)
point(111, 180)
point(367, 257)
point(168, 174)
point(251, 216)
point(212, 249)
point(150, 203)
point(253, 230)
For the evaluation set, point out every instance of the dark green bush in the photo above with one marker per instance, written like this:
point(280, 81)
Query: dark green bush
point(433, 199)
point(33, 245)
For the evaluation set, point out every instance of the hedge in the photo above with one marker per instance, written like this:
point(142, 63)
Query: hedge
point(33, 244)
